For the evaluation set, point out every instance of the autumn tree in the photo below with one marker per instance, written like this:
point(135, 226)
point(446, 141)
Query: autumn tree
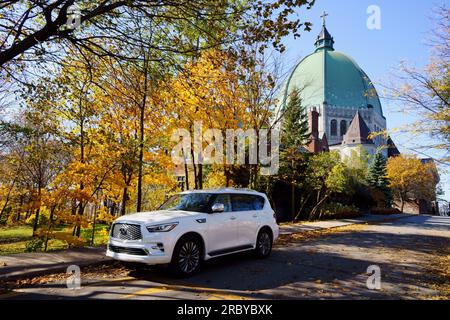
point(411, 180)
point(217, 91)
point(426, 92)
point(100, 98)
point(34, 158)
point(43, 31)
point(74, 103)
point(208, 93)
point(133, 122)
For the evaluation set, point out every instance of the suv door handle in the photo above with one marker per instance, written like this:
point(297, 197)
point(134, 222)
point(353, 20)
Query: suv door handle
point(255, 216)
point(233, 218)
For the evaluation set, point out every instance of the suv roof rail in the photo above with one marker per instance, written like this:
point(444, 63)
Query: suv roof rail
point(223, 189)
point(238, 189)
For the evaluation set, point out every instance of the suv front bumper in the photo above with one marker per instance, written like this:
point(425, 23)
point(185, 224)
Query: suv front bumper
point(148, 253)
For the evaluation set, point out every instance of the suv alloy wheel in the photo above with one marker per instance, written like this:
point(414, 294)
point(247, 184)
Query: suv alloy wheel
point(263, 244)
point(186, 256)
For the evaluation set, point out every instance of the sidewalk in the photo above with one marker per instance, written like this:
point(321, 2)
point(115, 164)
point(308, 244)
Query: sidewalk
point(329, 224)
point(33, 264)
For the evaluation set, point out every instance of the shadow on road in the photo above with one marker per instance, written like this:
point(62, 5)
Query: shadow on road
point(335, 263)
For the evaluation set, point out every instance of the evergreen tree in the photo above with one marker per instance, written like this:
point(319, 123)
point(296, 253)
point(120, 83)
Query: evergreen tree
point(295, 130)
point(377, 176)
point(294, 135)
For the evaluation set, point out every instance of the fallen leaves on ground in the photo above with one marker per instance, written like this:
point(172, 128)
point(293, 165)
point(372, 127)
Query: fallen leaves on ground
point(285, 239)
point(439, 268)
point(89, 273)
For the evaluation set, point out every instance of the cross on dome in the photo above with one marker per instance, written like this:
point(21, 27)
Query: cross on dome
point(323, 16)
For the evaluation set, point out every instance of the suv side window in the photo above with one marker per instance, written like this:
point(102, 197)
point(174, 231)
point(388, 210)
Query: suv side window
point(258, 202)
point(246, 202)
point(225, 200)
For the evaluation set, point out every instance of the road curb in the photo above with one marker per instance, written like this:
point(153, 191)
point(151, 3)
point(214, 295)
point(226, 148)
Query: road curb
point(52, 269)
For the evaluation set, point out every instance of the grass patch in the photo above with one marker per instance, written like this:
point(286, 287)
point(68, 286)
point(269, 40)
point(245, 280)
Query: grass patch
point(15, 232)
point(19, 247)
point(14, 239)
point(100, 237)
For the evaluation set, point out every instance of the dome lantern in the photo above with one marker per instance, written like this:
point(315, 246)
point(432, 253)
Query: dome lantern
point(324, 39)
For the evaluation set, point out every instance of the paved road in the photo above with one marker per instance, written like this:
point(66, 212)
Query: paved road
point(330, 266)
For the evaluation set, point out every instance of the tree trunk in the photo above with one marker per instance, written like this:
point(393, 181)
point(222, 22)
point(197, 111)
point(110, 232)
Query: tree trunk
point(141, 136)
point(186, 170)
point(50, 226)
point(93, 226)
point(124, 201)
point(80, 213)
point(7, 198)
point(302, 206)
point(227, 176)
point(292, 195)
point(141, 160)
point(77, 230)
point(20, 208)
point(317, 206)
point(36, 218)
point(195, 170)
point(200, 176)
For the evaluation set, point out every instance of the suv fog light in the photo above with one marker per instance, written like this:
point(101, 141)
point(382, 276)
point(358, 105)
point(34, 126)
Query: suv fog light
point(158, 246)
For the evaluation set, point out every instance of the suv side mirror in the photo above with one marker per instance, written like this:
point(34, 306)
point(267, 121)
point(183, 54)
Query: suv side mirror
point(218, 207)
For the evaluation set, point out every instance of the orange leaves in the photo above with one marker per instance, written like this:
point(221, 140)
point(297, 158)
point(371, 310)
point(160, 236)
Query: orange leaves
point(67, 218)
point(63, 236)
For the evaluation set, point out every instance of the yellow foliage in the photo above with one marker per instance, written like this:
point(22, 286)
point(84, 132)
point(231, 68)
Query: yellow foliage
point(215, 179)
point(72, 241)
point(104, 232)
point(104, 216)
point(410, 179)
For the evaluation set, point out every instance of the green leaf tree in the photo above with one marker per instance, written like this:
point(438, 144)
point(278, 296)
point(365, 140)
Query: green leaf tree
point(325, 175)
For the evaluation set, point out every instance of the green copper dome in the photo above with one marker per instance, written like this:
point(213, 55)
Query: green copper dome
point(332, 77)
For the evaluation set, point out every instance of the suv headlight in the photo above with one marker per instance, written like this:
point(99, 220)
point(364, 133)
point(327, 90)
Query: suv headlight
point(162, 227)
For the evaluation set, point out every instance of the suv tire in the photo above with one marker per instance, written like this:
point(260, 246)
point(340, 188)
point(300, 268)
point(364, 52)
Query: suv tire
point(263, 243)
point(187, 256)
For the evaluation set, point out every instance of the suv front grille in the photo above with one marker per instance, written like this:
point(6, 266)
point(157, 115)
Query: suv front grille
point(133, 251)
point(125, 231)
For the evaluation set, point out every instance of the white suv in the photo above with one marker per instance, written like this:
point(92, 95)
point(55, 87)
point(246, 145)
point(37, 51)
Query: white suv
point(193, 226)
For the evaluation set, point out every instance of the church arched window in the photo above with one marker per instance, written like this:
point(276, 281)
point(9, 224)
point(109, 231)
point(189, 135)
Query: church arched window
point(343, 127)
point(333, 127)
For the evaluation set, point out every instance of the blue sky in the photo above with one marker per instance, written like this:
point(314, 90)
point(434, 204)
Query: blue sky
point(405, 26)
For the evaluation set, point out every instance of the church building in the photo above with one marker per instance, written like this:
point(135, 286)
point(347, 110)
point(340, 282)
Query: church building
point(342, 103)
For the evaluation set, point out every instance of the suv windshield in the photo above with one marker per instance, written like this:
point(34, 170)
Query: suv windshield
point(198, 202)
